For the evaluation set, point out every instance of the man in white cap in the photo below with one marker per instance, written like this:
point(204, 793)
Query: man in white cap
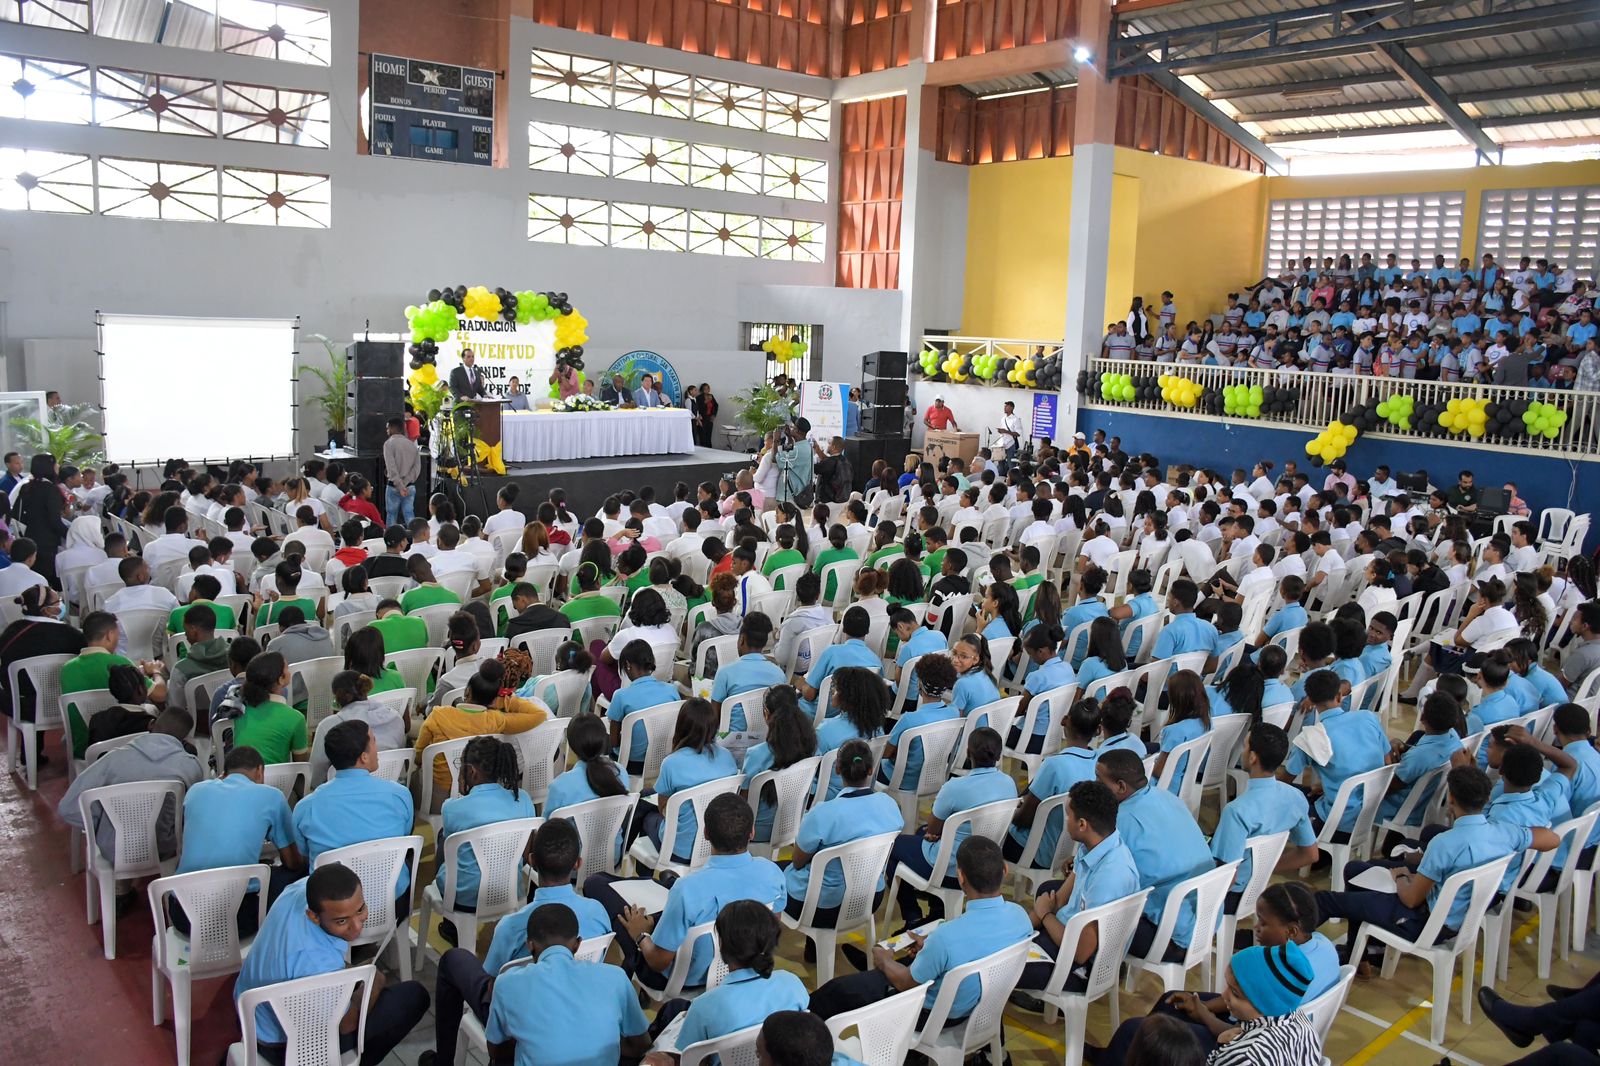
point(1079, 444)
point(939, 416)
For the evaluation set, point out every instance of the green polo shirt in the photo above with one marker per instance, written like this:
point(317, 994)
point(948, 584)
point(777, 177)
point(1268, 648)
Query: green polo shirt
point(86, 672)
point(401, 633)
point(427, 596)
point(269, 612)
point(226, 618)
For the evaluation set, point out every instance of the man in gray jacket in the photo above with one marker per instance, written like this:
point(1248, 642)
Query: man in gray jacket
point(159, 755)
point(298, 641)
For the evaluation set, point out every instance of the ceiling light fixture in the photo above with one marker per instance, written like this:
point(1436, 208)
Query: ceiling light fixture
point(1002, 94)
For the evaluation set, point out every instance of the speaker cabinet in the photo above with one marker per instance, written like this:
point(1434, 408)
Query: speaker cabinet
point(376, 359)
point(884, 365)
point(884, 392)
point(375, 401)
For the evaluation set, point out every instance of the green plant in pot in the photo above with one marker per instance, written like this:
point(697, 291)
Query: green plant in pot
point(74, 443)
point(761, 409)
point(331, 397)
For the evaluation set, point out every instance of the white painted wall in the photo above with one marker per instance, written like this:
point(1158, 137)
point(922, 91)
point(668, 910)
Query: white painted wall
point(401, 227)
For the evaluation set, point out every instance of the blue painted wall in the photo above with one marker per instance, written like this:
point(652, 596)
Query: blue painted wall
point(1223, 445)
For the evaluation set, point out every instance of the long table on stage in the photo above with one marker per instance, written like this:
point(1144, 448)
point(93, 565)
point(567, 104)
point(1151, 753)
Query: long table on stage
point(538, 436)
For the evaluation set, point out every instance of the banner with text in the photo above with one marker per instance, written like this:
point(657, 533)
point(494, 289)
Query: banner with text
point(1044, 414)
point(822, 403)
point(504, 350)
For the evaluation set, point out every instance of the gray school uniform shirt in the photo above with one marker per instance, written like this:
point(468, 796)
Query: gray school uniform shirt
point(151, 757)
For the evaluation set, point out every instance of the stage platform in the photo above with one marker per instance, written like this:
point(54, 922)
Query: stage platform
point(589, 481)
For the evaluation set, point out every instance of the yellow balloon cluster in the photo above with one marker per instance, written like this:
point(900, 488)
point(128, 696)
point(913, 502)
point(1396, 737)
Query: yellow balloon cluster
point(1179, 391)
point(956, 368)
point(571, 331)
point(1022, 373)
point(1332, 442)
point(784, 349)
point(1465, 416)
point(481, 303)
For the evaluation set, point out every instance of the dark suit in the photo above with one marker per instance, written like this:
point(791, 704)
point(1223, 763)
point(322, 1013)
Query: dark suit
point(467, 382)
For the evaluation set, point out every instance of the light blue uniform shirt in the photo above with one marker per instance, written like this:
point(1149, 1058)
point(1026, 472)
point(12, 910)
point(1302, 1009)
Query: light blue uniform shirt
point(1351, 671)
point(510, 941)
point(1274, 693)
point(925, 714)
point(225, 821)
point(744, 674)
point(832, 734)
point(1324, 959)
point(1584, 789)
point(1143, 605)
point(1057, 775)
point(981, 786)
point(1130, 741)
point(1225, 641)
point(924, 641)
point(289, 946)
point(1494, 708)
point(562, 1012)
point(485, 804)
point(1289, 616)
point(1075, 616)
point(1053, 674)
point(1527, 809)
point(851, 816)
point(1472, 841)
point(1092, 670)
point(1181, 733)
point(758, 760)
point(1523, 691)
point(974, 689)
point(852, 652)
point(1266, 806)
point(1185, 633)
point(1375, 659)
point(645, 692)
point(1167, 847)
point(686, 768)
point(351, 809)
point(1359, 744)
point(744, 998)
point(1105, 874)
point(1428, 753)
point(1546, 684)
point(997, 629)
point(698, 897)
point(986, 926)
point(572, 787)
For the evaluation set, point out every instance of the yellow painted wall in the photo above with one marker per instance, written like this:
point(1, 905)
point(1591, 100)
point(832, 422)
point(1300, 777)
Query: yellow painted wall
point(1473, 181)
point(1189, 227)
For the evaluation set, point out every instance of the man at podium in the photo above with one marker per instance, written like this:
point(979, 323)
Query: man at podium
point(466, 380)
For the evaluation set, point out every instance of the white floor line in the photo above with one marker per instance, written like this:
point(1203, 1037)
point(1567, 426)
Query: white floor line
point(1456, 1058)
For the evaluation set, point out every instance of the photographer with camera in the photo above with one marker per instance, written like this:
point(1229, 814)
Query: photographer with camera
point(795, 456)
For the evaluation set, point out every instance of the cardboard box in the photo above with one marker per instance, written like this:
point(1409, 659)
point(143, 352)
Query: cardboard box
point(941, 442)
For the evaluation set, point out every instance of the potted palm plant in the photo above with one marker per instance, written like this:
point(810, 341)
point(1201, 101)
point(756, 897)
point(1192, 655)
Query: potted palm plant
point(331, 398)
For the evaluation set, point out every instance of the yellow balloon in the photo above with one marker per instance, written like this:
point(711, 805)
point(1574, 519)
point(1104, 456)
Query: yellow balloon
point(1475, 429)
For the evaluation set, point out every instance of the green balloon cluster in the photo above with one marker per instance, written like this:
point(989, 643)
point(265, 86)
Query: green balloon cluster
point(1118, 388)
point(929, 361)
point(432, 322)
point(1397, 411)
point(535, 307)
point(1242, 401)
point(1544, 419)
point(986, 366)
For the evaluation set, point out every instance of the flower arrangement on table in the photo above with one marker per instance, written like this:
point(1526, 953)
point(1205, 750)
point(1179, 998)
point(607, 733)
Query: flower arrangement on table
point(581, 402)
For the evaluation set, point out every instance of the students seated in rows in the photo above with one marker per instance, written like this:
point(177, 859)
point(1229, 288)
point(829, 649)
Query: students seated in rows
point(863, 705)
point(1354, 742)
point(1188, 718)
point(790, 738)
point(354, 807)
point(695, 759)
point(1265, 806)
point(852, 651)
point(1057, 774)
point(750, 671)
point(936, 679)
point(491, 791)
point(485, 707)
point(649, 944)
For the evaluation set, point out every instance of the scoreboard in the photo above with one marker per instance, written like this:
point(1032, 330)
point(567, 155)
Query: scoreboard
point(426, 110)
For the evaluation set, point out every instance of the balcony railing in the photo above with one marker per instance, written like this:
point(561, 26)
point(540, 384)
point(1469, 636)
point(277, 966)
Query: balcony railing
point(1323, 397)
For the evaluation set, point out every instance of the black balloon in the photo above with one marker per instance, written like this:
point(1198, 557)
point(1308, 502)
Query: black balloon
point(433, 294)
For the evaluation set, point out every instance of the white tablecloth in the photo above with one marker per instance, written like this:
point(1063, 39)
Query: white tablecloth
point(532, 437)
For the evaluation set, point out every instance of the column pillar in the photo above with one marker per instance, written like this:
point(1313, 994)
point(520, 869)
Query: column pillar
point(917, 248)
point(1089, 232)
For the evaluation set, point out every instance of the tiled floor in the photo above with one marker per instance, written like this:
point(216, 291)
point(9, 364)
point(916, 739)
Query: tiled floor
point(66, 1004)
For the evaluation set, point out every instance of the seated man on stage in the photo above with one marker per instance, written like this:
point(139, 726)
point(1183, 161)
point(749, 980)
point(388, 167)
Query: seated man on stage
point(616, 392)
point(466, 380)
point(516, 398)
point(647, 395)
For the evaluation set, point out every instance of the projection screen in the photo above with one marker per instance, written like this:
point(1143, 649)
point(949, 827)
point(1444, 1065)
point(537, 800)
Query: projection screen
point(197, 388)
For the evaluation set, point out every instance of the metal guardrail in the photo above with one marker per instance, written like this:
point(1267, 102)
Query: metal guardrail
point(1323, 397)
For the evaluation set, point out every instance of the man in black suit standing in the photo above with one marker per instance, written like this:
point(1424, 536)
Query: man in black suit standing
point(466, 380)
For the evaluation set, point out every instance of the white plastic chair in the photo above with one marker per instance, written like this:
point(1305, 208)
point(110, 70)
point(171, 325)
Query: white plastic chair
point(1263, 853)
point(1028, 869)
point(43, 673)
point(861, 863)
point(659, 721)
point(142, 628)
point(791, 787)
point(681, 962)
point(752, 705)
point(988, 821)
point(460, 582)
point(732, 1049)
point(998, 715)
point(314, 679)
point(1189, 785)
point(394, 764)
point(1053, 705)
point(1552, 906)
point(1115, 925)
point(698, 797)
point(1429, 785)
point(340, 628)
point(726, 649)
point(1374, 785)
point(880, 1034)
point(436, 616)
point(378, 863)
point(134, 811)
point(210, 900)
point(288, 777)
point(1326, 1007)
point(600, 823)
point(309, 1011)
point(1227, 746)
point(1208, 890)
point(452, 752)
point(1480, 883)
point(997, 974)
point(541, 645)
point(85, 705)
point(844, 574)
point(542, 753)
point(417, 665)
point(498, 849)
point(938, 741)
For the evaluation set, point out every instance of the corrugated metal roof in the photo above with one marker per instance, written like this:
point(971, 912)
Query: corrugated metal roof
point(1018, 83)
point(1517, 65)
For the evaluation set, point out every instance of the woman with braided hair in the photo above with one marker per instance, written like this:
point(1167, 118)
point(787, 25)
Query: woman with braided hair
point(491, 791)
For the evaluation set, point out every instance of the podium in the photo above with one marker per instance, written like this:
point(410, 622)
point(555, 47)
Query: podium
point(485, 419)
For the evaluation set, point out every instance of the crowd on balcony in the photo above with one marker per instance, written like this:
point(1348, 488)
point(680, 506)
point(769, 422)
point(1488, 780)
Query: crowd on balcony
point(1529, 325)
